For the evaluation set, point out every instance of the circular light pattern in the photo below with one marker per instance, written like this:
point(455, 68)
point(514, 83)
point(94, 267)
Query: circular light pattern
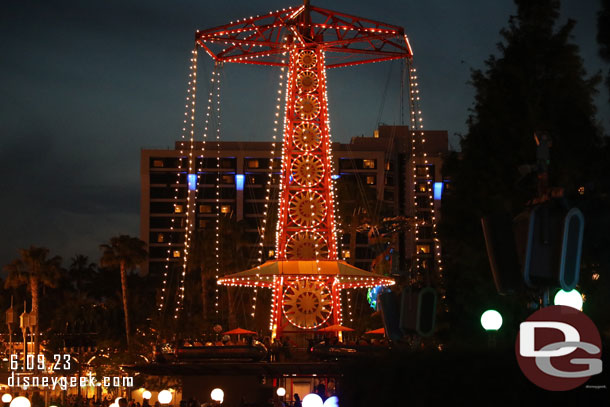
point(303, 246)
point(307, 59)
point(164, 397)
point(312, 400)
point(280, 391)
point(307, 208)
point(307, 303)
point(6, 398)
point(307, 107)
point(491, 320)
point(307, 170)
point(146, 395)
point(20, 402)
point(569, 298)
point(217, 395)
point(307, 136)
point(307, 81)
point(332, 401)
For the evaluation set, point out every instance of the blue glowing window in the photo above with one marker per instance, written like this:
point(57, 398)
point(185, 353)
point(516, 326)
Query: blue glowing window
point(438, 190)
point(192, 181)
point(239, 181)
point(336, 176)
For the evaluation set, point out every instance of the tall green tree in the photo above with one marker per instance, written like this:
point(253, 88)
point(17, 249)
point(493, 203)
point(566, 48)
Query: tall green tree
point(126, 253)
point(537, 82)
point(34, 269)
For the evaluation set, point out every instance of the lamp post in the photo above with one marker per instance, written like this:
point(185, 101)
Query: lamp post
point(217, 395)
point(491, 320)
point(569, 298)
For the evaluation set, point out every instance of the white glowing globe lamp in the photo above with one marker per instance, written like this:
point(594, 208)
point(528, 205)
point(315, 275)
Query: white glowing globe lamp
point(332, 401)
point(312, 400)
point(280, 391)
point(146, 395)
point(20, 402)
point(217, 395)
point(164, 397)
point(113, 405)
point(116, 400)
point(569, 299)
point(6, 398)
point(491, 320)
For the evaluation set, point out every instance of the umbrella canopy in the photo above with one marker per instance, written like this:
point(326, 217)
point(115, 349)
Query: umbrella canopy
point(239, 331)
point(347, 275)
point(335, 328)
point(379, 331)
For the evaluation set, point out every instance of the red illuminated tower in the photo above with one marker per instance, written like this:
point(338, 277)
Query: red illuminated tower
point(307, 277)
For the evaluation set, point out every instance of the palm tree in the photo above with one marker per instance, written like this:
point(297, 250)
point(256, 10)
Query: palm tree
point(33, 269)
point(125, 252)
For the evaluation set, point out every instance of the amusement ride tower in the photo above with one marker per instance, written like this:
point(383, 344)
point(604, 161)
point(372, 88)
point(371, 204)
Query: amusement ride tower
point(306, 278)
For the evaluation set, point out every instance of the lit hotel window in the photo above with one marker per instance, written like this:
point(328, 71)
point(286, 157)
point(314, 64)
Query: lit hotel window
point(225, 209)
point(157, 163)
point(176, 253)
point(252, 163)
point(160, 238)
point(423, 248)
point(205, 208)
point(370, 180)
point(422, 187)
point(271, 253)
point(228, 179)
point(346, 254)
point(368, 163)
point(178, 209)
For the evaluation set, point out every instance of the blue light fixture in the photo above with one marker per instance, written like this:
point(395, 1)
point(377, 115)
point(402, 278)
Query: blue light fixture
point(239, 181)
point(192, 181)
point(438, 191)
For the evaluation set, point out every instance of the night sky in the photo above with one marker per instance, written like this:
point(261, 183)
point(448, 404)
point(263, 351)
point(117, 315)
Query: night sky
point(86, 84)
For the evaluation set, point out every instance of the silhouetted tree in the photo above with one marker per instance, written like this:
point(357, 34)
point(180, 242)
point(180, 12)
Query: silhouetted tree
point(34, 269)
point(537, 82)
point(124, 252)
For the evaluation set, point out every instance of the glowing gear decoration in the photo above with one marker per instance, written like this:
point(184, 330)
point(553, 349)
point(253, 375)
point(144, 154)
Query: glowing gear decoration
point(307, 170)
point(307, 81)
point(307, 59)
point(307, 208)
point(307, 303)
point(307, 136)
point(306, 245)
point(308, 107)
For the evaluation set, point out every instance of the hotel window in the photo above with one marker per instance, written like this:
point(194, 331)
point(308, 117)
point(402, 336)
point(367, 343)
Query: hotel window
point(225, 209)
point(228, 179)
point(160, 238)
point(176, 253)
point(178, 209)
point(271, 253)
point(252, 163)
point(422, 187)
point(227, 163)
point(158, 163)
point(205, 208)
point(369, 164)
point(277, 163)
point(203, 223)
point(423, 248)
point(346, 254)
point(251, 179)
point(370, 179)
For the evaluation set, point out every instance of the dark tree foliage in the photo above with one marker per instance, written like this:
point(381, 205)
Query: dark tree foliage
point(537, 82)
point(603, 34)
